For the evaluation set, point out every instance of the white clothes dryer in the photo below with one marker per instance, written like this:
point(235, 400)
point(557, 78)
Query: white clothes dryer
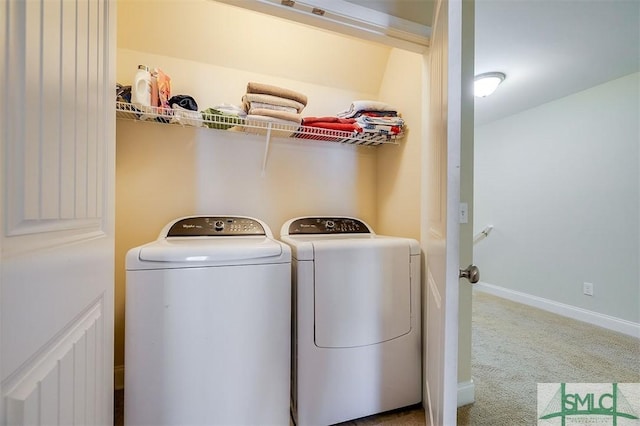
point(356, 320)
point(208, 325)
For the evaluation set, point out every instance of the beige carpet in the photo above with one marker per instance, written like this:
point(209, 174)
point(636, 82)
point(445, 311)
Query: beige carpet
point(516, 346)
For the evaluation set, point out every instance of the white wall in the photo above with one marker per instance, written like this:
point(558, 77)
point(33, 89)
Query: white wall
point(560, 184)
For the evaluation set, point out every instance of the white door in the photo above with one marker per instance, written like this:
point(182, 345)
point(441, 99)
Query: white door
point(56, 211)
point(451, 113)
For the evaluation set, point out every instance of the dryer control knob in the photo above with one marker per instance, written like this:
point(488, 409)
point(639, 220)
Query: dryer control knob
point(218, 225)
point(330, 224)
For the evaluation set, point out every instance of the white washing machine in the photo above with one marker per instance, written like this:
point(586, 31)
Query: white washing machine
point(208, 325)
point(356, 314)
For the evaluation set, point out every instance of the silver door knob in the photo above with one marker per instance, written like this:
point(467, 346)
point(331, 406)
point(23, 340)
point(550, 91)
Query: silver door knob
point(472, 273)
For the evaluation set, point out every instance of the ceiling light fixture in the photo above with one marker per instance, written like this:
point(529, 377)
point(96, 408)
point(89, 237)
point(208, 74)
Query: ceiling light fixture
point(485, 84)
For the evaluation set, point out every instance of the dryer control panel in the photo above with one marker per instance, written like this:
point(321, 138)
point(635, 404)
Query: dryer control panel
point(208, 226)
point(328, 225)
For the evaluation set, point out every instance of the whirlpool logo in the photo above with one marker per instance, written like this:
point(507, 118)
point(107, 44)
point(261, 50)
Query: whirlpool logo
point(616, 404)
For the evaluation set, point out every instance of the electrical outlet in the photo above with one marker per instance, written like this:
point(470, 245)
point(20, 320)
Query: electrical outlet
point(587, 288)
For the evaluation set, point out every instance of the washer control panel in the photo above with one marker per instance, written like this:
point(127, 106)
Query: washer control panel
point(328, 225)
point(208, 226)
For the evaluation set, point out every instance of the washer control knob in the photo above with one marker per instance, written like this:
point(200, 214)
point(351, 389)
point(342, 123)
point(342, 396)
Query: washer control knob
point(218, 225)
point(330, 224)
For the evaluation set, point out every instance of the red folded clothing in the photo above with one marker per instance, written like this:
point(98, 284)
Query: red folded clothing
point(309, 121)
point(327, 128)
point(345, 127)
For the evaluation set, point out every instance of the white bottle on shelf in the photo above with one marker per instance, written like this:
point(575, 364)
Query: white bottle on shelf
point(141, 88)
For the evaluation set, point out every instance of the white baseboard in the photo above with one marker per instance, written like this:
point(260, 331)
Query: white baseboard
point(601, 320)
point(118, 377)
point(466, 390)
point(466, 393)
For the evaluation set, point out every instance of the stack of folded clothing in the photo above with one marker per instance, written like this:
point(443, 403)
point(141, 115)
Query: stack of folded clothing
point(327, 128)
point(223, 116)
point(389, 126)
point(374, 117)
point(265, 104)
point(369, 119)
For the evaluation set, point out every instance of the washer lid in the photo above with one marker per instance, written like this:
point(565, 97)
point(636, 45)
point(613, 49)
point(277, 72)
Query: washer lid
point(209, 249)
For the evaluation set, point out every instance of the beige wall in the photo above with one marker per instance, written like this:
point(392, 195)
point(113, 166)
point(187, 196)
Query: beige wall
point(398, 175)
point(150, 182)
point(209, 32)
point(165, 171)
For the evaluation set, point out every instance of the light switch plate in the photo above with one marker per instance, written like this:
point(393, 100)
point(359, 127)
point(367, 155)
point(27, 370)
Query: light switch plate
point(464, 213)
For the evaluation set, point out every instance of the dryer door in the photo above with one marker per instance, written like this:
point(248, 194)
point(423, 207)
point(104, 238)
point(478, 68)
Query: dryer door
point(362, 291)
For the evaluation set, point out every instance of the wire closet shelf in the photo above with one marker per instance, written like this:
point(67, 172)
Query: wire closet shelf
point(229, 122)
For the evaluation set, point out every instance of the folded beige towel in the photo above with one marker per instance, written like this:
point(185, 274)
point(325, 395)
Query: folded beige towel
point(267, 89)
point(248, 98)
point(280, 115)
point(253, 105)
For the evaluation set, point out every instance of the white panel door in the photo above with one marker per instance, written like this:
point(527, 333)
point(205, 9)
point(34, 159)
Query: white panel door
point(449, 114)
point(57, 122)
